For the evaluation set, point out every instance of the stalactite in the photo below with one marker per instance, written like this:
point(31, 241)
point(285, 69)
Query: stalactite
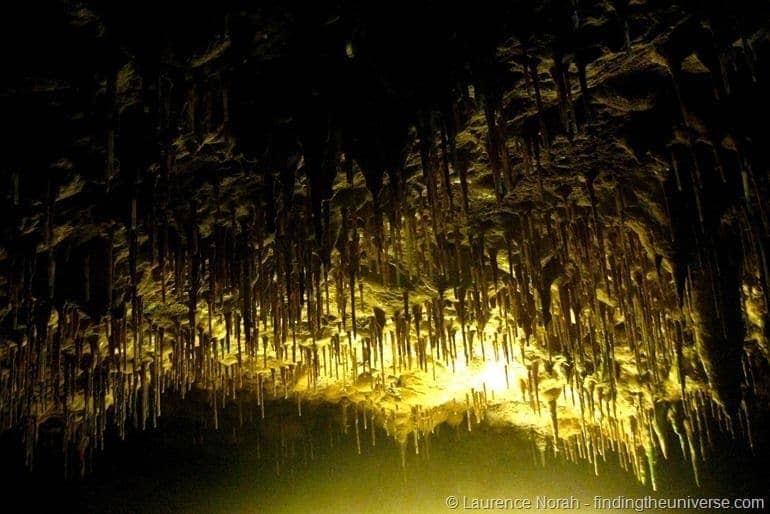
point(559, 73)
point(532, 65)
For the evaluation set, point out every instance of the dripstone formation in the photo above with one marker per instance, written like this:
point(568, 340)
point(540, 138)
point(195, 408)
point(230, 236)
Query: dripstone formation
point(548, 214)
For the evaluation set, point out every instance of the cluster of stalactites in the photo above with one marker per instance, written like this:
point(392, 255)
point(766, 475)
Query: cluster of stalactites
point(575, 295)
point(265, 310)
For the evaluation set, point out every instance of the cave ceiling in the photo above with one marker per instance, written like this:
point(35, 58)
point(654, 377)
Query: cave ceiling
point(544, 214)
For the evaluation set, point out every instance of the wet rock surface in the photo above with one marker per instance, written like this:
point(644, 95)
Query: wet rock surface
point(551, 215)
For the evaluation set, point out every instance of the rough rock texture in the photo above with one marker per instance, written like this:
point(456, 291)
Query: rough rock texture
point(547, 214)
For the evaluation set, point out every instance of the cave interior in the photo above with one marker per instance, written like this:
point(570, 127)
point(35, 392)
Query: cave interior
point(384, 218)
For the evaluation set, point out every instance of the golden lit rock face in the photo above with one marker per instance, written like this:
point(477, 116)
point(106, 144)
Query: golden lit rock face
point(578, 249)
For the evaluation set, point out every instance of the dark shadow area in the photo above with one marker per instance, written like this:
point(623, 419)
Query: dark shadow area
point(286, 464)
